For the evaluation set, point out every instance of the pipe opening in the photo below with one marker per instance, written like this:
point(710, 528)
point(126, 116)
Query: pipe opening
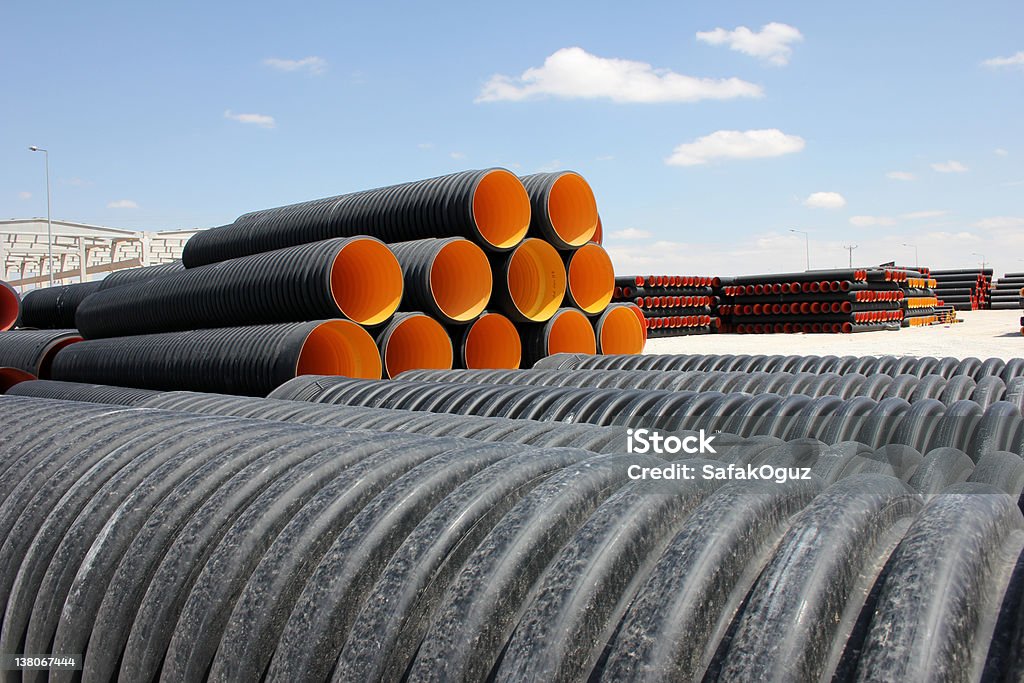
point(598, 232)
point(366, 281)
point(591, 278)
point(536, 280)
point(9, 307)
point(339, 347)
point(417, 342)
point(619, 331)
point(51, 351)
point(11, 376)
point(572, 209)
point(460, 280)
point(571, 332)
point(492, 342)
point(501, 209)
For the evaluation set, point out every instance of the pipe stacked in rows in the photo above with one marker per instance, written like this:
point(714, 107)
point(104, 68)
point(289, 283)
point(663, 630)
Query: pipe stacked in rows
point(920, 304)
point(237, 549)
point(967, 289)
point(672, 305)
point(1006, 292)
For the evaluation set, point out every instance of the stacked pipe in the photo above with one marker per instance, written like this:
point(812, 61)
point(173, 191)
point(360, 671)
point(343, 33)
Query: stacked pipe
point(28, 354)
point(1006, 292)
point(672, 305)
point(830, 301)
point(967, 289)
point(919, 300)
point(10, 306)
point(239, 549)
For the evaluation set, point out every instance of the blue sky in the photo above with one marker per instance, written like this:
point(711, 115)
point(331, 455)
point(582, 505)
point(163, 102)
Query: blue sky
point(708, 130)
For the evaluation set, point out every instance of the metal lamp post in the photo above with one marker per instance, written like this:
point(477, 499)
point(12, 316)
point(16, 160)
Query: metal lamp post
point(807, 244)
point(49, 224)
point(917, 261)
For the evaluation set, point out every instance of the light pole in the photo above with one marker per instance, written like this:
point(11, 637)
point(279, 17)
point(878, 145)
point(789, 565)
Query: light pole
point(49, 224)
point(917, 261)
point(983, 261)
point(807, 244)
point(850, 248)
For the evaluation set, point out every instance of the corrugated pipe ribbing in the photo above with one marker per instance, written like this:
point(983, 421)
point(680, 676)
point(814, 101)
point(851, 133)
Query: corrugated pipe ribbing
point(563, 208)
point(489, 342)
point(130, 276)
point(449, 278)
point(237, 360)
point(567, 329)
point(414, 340)
point(488, 206)
point(530, 282)
point(31, 351)
point(618, 330)
point(356, 278)
point(54, 308)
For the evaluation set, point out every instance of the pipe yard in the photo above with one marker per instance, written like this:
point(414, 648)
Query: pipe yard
point(426, 432)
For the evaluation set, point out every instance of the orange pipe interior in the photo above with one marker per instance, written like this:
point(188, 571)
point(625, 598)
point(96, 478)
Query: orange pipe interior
point(571, 332)
point(11, 376)
point(572, 209)
point(493, 343)
point(9, 307)
point(591, 278)
point(598, 232)
point(339, 347)
point(417, 342)
point(620, 332)
point(641, 318)
point(460, 280)
point(366, 281)
point(501, 209)
point(536, 280)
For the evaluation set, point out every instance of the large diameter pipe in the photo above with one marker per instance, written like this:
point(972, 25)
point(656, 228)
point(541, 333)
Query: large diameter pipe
point(89, 393)
point(564, 211)
point(488, 206)
point(54, 308)
point(238, 360)
point(32, 351)
point(530, 282)
point(590, 278)
point(413, 341)
point(357, 278)
point(598, 232)
point(619, 331)
point(567, 329)
point(11, 377)
point(10, 306)
point(491, 342)
point(449, 278)
point(130, 276)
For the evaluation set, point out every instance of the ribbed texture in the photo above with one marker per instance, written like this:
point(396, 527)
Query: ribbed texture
point(53, 308)
point(385, 335)
point(417, 260)
point(281, 286)
point(437, 207)
point(29, 350)
point(89, 393)
point(130, 276)
point(536, 337)
point(241, 360)
point(539, 187)
point(10, 306)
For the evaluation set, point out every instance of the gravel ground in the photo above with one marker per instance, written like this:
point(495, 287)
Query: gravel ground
point(983, 334)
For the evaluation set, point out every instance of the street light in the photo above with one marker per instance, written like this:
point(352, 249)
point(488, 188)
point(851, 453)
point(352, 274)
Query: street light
point(807, 243)
point(49, 224)
point(983, 261)
point(917, 261)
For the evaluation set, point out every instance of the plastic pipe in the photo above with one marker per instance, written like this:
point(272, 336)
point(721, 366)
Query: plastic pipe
point(32, 351)
point(619, 331)
point(449, 278)
point(489, 342)
point(530, 282)
point(567, 329)
point(413, 341)
point(54, 308)
point(590, 278)
point(563, 208)
point(130, 276)
point(10, 306)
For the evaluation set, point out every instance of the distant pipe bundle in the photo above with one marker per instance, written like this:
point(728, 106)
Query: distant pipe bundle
point(672, 305)
point(966, 289)
point(1006, 292)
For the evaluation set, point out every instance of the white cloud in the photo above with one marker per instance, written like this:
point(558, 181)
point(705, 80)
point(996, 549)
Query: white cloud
point(312, 65)
point(425, 145)
point(630, 234)
point(122, 204)
point(1012, 60)
point(24, 195)
point(949, 167)
point(919, 215)
point(825, 200)
point(735, 144)
point(261, 120)
point(574, 73)
point(771, 43)
point(1000, 223)
point(551, 166)
point(457, 155)
point(872, 221)
point(1001, 152)
point(900, 175)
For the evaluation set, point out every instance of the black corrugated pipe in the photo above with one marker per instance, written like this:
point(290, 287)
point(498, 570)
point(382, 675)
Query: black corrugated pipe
point(27, 354)
point(619, 331)
point(488, 206)
point(411, 341)
point(53, 308)
point(90, 393)
point(563, 208)
point(10, 306)
point(490, 341)
point(590, 278)
point(529, 282)
point(237, 360)
point(568, 331)
point(449, 278)
point(356, 278)
point(130, 276)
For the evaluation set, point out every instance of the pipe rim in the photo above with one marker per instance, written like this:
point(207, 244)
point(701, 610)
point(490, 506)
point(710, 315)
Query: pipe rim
point(536, 280)
point(571, 332)
point(415, 342)
point(339, 347)
point(366, 281)
point(619, 332)
point(501, 209)
point(11, 376)
point(572, 209)
point(460, 280)
point(51, 351)
point(9, 306)
point(590, 278)
point(492, 343)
